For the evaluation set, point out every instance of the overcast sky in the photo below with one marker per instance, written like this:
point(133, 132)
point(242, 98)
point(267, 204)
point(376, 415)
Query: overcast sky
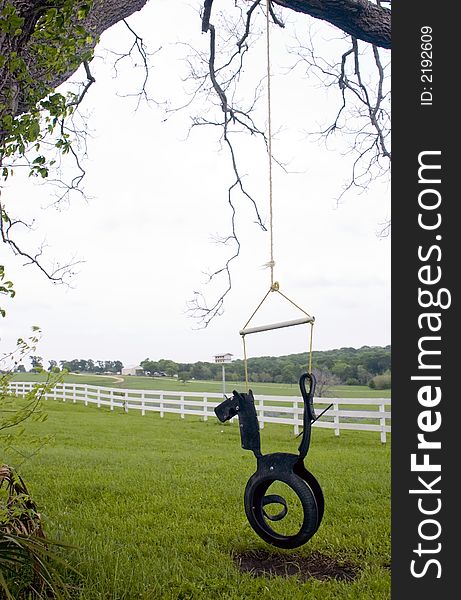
point(157, 196)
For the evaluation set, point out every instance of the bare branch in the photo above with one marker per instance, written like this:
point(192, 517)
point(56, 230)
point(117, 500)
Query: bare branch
point(274, 17)
point(206, 15)
point(362, 116)
point(57, 274)
point(137, 47)
point(247, 24)
point(198, 307)
point(89, 83)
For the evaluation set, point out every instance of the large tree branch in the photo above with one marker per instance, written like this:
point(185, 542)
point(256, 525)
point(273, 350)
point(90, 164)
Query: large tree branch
point(102, 15)
point(362, 19)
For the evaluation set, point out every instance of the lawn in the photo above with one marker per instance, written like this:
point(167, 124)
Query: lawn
point(170, 384)
point(154, 507)
point(271, 389)
point(72, 378)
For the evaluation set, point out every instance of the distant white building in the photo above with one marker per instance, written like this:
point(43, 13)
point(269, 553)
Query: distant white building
point(133, 370)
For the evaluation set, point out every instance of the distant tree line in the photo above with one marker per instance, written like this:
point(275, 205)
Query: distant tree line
point(91, 366)
point(76, 365)
point(349, 366)
point(369, 365)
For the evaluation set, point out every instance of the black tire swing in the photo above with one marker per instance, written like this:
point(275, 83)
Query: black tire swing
point(289, 469)
point(278, 466)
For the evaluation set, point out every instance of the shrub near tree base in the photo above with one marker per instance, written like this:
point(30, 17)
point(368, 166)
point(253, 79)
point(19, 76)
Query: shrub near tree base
point(26, 569)
point(27, 563)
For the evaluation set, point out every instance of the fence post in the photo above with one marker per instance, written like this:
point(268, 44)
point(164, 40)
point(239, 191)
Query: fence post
point(205, 408)
point(86, 395)
point(182, 406)
point(98, 397)
point(382, 422)
point(161, 406)
point(295, 416)
point(74, 393)
point(143, 408)
point(125, 402)
point(336, 419)
point(261, 413)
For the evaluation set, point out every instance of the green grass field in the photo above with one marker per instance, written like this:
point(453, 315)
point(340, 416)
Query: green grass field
point(72, 378)
point(271, 389)
point(167, 384)
point(154, 507)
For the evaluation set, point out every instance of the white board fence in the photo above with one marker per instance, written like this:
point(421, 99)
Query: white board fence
point(360, 414)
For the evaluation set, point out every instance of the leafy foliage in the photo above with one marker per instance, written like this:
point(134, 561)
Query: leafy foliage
point(29, 108)
point(381, 382)
point(6, 288)
point(14, 415)
point(27, 564)
point(16, 412)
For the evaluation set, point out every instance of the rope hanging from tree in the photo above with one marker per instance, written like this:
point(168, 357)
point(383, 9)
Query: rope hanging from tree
point(279, 466)
point(274, 285)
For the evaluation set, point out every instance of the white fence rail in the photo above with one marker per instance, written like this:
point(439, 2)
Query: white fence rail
point(362, 414)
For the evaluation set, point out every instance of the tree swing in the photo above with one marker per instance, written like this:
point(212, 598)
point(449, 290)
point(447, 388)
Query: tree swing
point(279, 466)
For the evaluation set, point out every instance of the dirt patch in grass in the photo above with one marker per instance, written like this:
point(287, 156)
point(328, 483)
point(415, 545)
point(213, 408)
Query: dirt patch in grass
point(317, 565)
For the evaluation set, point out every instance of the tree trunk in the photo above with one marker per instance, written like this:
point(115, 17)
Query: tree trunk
point(103, 14)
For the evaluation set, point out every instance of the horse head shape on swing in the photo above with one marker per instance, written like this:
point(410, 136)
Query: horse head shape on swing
point(278, 466)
